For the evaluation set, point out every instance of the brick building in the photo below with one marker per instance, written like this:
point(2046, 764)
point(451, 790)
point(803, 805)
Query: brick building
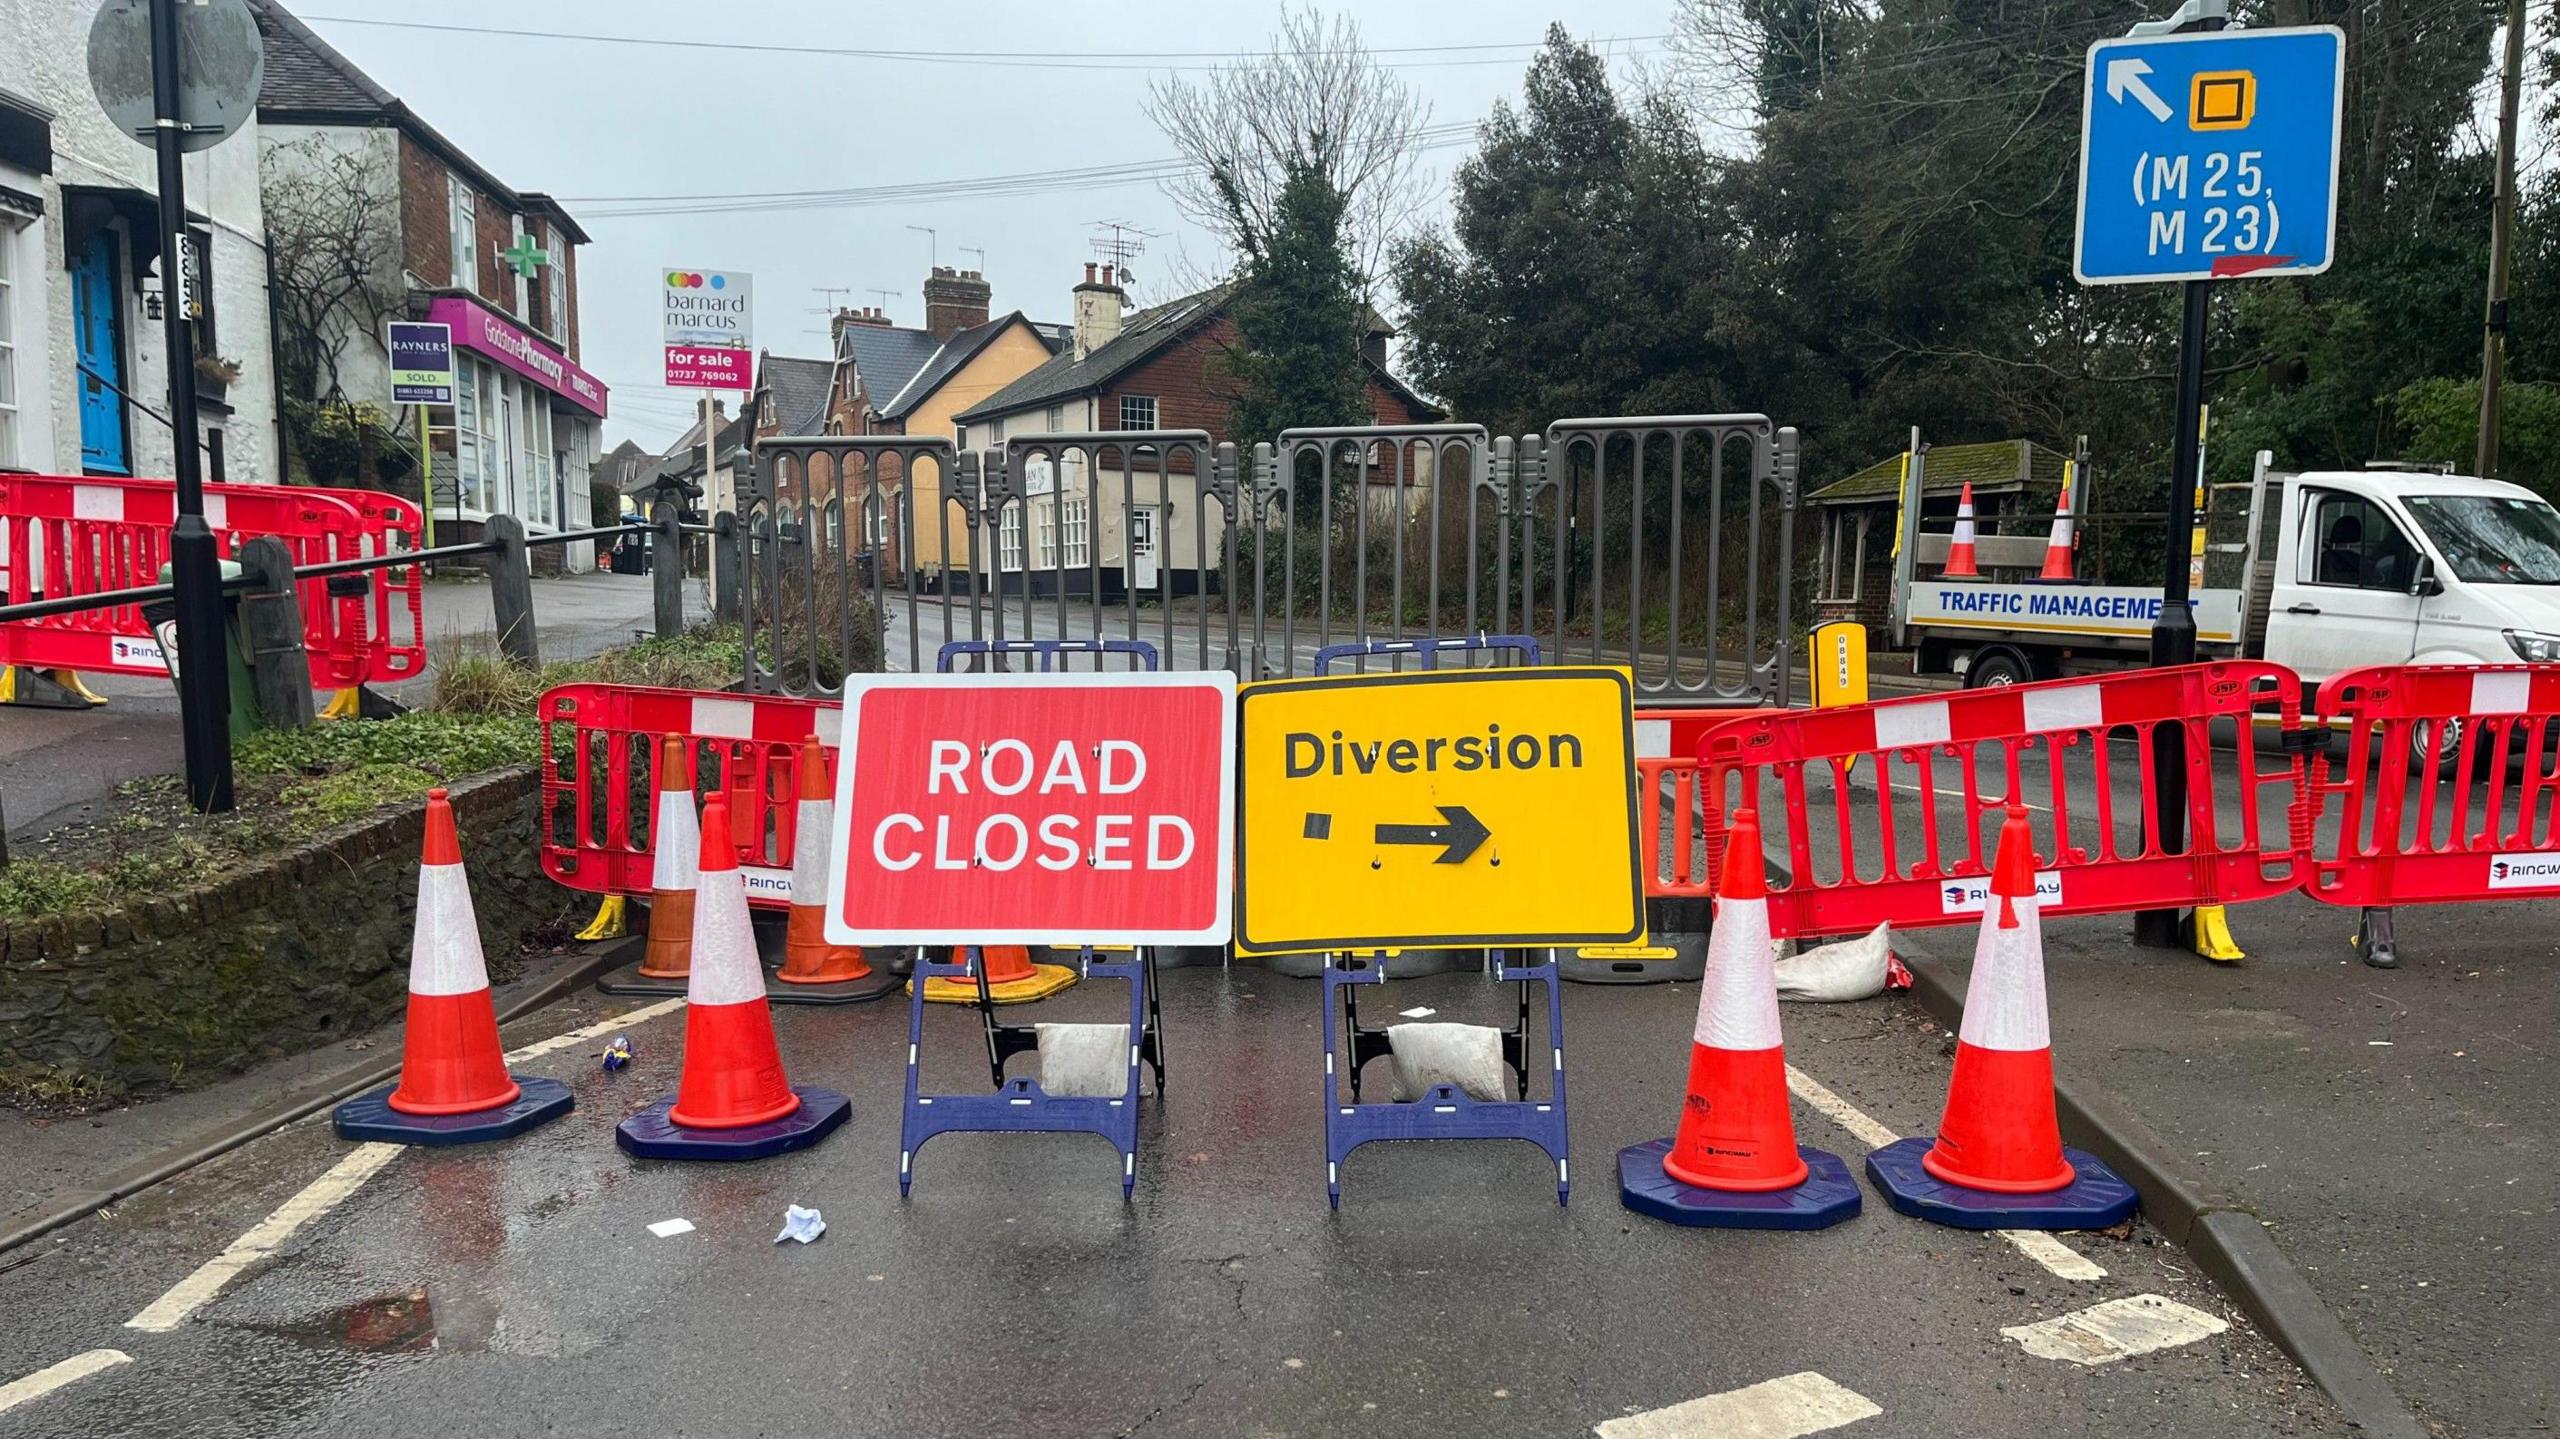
point(1155, 369)
point(454, 245)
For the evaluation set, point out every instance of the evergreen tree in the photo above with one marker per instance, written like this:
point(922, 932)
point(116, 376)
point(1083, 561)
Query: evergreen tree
point(1298, 316)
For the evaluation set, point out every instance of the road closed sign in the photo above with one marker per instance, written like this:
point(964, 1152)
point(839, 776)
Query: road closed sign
point(1035, 809)
point(1450, 807)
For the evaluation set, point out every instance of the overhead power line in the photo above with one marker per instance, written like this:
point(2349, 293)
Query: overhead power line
point(1002, 59)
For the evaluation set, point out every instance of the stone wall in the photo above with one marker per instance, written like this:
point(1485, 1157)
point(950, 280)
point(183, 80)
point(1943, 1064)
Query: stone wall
point(309, 947)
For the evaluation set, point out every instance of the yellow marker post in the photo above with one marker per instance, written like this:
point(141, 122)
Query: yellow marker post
point(1840, 667)
point(1463, 808)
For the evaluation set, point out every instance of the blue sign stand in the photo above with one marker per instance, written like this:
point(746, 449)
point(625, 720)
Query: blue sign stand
point(1021, 1106)
point(1443, 1112)
point(2210, 155)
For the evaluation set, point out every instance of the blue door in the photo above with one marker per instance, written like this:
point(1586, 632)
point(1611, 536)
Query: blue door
point(96, 323)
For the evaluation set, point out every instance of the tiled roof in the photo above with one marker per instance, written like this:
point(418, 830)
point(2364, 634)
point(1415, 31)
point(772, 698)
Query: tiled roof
point(1992, 468)
point(799, 389)
point(1140, 337)
point(305, 72)
point(954, 353)
point(885, 356)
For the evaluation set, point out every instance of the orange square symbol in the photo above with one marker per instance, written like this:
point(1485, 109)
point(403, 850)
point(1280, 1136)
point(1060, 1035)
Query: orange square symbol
point(2222, 100)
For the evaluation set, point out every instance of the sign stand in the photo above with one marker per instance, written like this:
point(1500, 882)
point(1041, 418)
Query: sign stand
point(1021, 1106)
point(1442, 1112)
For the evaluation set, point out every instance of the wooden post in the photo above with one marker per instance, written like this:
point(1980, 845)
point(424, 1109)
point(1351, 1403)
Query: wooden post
point(511, 592)
point(666, 570)
point(271, 615)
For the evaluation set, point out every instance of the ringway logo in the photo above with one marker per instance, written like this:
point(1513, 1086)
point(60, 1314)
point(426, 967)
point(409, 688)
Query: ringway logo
point(765, 883)
point(2524, 871)
point(1968, 896)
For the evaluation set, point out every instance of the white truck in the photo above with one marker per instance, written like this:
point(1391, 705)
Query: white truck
point(2332, 570)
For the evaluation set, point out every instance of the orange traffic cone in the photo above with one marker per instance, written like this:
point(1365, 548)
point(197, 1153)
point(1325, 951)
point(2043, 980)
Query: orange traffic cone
point(1999, 1131)
point(1960, 562)
point(807, 957)
point(1734, 1160)
point(1998, 1161)
point(673, 840)
point(2057, 545)
point(453, 1084)
point(733, 1100)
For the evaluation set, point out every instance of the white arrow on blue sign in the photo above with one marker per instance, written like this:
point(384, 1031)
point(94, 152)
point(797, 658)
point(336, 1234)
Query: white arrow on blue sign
point(2210, 156)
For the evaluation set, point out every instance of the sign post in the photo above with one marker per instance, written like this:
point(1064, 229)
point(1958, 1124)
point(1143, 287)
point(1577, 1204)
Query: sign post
point(422, 374)
point(2204, 156)
point(707, 320)
point(1469, 808)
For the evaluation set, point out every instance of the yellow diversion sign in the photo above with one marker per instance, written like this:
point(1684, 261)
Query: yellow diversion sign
point(1448, 807)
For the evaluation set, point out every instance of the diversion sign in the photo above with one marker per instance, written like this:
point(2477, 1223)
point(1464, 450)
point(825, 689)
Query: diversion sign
point(2119, 611)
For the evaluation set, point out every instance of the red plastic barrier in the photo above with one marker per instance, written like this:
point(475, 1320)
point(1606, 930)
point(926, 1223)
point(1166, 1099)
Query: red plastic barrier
point(61, 536)
point(1667, 781)
point(2404, 835)
point(598, 765)
point(1910, 833)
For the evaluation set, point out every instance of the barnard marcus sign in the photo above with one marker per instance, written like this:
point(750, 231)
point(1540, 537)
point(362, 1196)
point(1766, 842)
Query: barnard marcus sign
point(1035, 809)
point(707, 323)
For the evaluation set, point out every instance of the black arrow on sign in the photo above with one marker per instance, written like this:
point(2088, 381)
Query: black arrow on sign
point(1461, 833)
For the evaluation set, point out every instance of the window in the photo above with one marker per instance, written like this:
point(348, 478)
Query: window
point(960, 437)
point(465, 239)
point(1009, 539)
point(537, 290)
point(201, 282)
point(875, 521)
point(1075, 524)
point(1046, 522)
point(1845, 556)
point(1137, 412)
point(8, 345)
point(995, 432)
point(2351, 542)
point(1053, 419)
point(2492, 539)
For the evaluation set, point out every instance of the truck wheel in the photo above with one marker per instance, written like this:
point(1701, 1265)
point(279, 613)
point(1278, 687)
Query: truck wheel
point(1997, 667)
point(2436, 749)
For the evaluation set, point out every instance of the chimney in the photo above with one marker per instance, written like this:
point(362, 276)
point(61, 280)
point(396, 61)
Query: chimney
point(1098, 305)
point(867, 315)
point(955, 300)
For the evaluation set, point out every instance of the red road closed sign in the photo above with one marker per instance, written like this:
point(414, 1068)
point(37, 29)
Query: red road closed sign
point(1034, 809)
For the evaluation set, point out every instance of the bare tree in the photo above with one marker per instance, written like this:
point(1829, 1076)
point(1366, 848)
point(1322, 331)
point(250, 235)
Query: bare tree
point(330, 232)
point(1316, 98)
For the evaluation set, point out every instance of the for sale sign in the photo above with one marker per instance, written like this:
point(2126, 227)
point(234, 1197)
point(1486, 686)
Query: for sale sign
point(706, 321)
point(1035, 809)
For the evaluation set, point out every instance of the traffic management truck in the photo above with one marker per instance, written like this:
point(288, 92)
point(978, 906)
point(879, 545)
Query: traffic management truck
point(2332, 570)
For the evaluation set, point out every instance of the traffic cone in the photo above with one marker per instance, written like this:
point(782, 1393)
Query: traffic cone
point(1960, 563)
point(453, 1086)
point(732, 1100)
point(1734, 1160)
point(2057, 545)
point(1998, 1161)
point(807, 957)
point(673, 840)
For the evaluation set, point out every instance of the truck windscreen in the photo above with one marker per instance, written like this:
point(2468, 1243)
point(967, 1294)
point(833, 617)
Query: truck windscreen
point(2493, 539)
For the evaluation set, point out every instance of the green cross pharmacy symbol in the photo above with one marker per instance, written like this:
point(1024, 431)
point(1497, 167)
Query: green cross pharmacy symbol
point(525, 257)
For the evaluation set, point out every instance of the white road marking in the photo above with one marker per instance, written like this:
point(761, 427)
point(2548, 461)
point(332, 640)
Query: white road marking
point(1785, 1408)
point(328, 1192)
point(53, 1376)
point(670, 1228)
point(2061, 1259)
point(322, 1195)
point(2117, 1329)
point(601, 1029)
point(1910, 788)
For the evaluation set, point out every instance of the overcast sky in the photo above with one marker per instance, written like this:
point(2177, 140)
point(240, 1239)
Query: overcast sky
point(595, 123)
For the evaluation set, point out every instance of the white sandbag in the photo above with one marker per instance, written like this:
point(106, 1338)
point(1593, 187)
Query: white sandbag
point(1833, 973)
point(1088, 1061)
point(1466, 1055)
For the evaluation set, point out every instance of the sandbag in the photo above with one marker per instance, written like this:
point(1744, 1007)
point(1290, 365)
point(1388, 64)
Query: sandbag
point(1834, 973)
point(1466, 1055)
point(1086, 1061)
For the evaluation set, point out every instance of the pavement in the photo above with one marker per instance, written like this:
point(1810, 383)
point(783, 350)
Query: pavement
point(55, 765)
point(294, 1287)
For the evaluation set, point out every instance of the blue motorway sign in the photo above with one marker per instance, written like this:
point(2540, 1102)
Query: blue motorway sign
point(2210, 156)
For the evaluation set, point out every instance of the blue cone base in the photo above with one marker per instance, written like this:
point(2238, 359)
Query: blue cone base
point(371, 1117)
point(1828, 1194)
point(2094, 1199)
point(651, 1135)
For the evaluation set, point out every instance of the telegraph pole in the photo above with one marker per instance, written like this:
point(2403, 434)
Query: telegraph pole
point(2502, 224)
point(204, 679)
